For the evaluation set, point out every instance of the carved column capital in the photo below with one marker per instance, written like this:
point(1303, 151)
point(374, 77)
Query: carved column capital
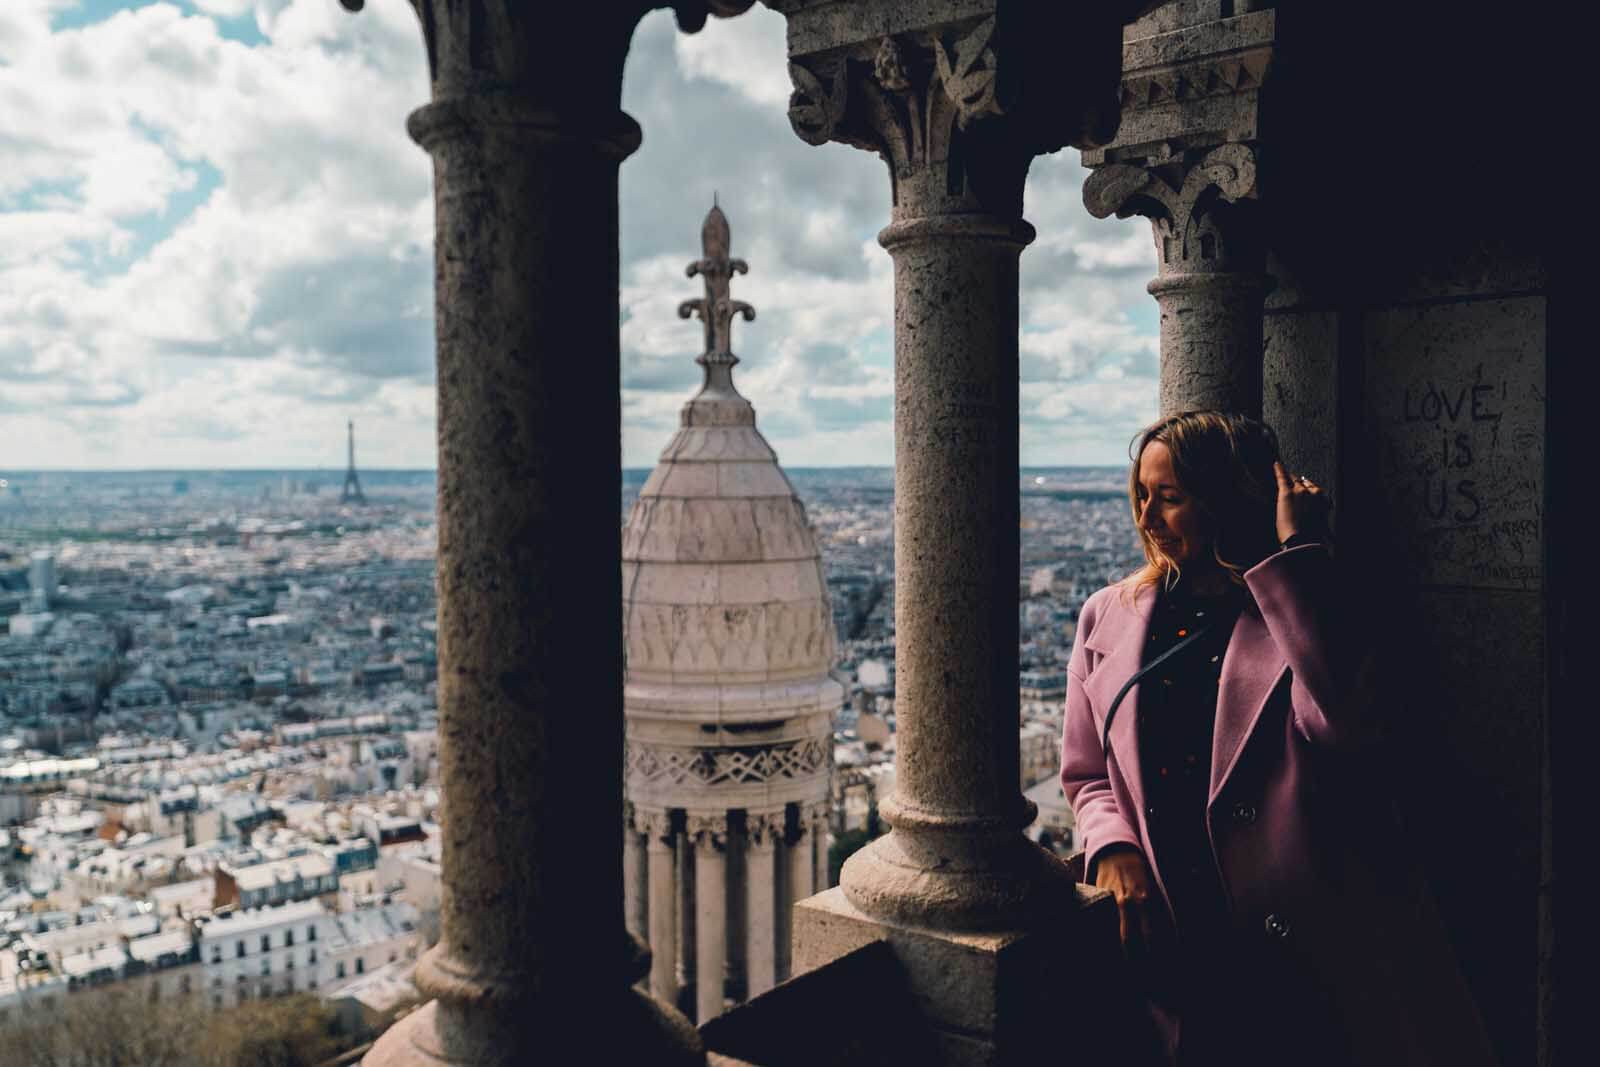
point(653, 823)
point(1185, 156)
point(763, 830)
point(707, 831)
point(1199, 206)
point(957, 108)
point(1212, 268)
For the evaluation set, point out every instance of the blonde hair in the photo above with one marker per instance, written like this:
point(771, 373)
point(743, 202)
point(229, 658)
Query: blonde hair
point(1224, 462)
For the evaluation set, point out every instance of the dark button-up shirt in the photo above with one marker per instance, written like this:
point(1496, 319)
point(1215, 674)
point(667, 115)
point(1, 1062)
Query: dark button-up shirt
point(1177, 715)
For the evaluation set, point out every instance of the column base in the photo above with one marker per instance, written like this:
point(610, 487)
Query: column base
point(484, 1032)
point(639, 1030)
point(986, 880)
point(998, 997)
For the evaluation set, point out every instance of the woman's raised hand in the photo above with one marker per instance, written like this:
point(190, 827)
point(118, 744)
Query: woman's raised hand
point(1303, 506)
point(1124, 872)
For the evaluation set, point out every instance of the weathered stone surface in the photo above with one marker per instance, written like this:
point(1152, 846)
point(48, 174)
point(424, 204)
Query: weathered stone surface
point(502, 643)
point(1211, 283)
point(1464, 267)
point(525, 154)
point(955, 539)
point(1300, 396)
point(1184, 158)
point(1175, 14)
point(953, 97)
point(1455, 396)
point(1211, 341)
point(1193, 204)
point(1191, 80)
point(989, 997)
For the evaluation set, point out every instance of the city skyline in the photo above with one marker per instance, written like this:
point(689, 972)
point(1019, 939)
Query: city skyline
point(233, 255)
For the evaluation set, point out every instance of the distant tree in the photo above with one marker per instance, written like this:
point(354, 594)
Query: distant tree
point(121, 1027)
point(292, 1031)
point(106, 1028)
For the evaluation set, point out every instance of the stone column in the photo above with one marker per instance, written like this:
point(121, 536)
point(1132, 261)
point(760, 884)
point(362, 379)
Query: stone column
point(635, 875)
point(946, 108)
point(958, 99)
point(1185, 159)
point(819, 847)
point(709, 833)
point(1212, 279)
point(526, 148)
point(686, 923)
point(760, 934)
point(799, 856)
point(662, 865)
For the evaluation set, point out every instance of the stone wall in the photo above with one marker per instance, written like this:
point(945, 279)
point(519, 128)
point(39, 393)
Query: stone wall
point(1407, 364)
point(1426, 405)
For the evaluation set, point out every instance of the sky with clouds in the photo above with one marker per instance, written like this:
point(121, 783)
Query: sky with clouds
point(215, 247)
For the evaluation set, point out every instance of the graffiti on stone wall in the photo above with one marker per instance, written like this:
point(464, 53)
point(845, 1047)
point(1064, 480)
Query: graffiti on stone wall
point(1461, 408)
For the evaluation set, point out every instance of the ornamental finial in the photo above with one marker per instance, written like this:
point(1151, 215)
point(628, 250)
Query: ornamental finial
point(716, 309)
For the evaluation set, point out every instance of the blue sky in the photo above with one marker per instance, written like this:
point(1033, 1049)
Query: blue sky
point(216, 245)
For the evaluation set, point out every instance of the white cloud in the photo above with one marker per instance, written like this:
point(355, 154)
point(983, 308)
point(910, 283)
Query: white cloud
point(229, 252)
point(1133, 248)
point(739, 54)
point(225, 8)
point(258, 206)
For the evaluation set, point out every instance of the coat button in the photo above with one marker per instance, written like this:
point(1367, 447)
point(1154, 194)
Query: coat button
point(1244, 813)
point(1150, 812)
point(1277, 925)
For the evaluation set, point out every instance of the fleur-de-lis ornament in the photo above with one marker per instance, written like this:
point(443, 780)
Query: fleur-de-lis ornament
point(717, 309)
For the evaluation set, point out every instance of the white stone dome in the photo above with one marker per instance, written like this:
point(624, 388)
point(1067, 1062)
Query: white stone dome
point(722, 580)
point(727, 627)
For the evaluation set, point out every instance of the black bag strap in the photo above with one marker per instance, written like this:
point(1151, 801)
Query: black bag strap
point(1105, 737)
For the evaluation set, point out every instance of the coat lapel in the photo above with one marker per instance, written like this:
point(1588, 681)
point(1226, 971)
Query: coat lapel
point(1120, 639)
point(1251, 669)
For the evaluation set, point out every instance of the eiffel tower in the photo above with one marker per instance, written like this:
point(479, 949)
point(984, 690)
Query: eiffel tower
point(352, 484)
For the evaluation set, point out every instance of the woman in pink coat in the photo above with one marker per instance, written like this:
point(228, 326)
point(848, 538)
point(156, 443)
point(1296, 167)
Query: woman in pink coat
point(1234, 803)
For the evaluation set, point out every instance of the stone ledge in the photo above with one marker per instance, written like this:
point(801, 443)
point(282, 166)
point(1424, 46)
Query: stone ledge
point(854, 1010)
point(1200, 41)
point(984, 997)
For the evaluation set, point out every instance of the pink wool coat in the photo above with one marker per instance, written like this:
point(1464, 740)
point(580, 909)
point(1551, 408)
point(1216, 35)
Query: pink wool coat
point(1310, 856)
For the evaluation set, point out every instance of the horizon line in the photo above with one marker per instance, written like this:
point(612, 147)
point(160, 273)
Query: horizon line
point(339, 472)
